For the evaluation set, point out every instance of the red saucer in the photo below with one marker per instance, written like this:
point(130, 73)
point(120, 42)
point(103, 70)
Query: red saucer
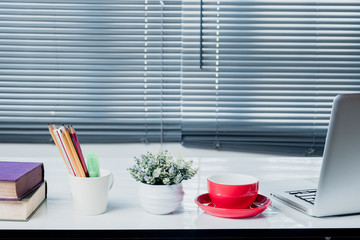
point(260, 204)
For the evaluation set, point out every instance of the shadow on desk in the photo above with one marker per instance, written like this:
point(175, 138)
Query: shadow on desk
point(206, 221)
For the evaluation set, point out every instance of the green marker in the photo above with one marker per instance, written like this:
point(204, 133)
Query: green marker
point(93, 164)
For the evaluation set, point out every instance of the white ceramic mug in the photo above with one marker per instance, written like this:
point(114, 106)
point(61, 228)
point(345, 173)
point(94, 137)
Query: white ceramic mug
point(90, 195)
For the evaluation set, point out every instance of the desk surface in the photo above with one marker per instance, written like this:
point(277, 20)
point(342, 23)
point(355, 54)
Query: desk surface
point(125, 213)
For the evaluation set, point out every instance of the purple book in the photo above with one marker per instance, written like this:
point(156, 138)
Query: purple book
point(17, 179)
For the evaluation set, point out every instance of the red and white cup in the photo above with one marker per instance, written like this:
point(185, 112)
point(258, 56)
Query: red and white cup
point(233, 190)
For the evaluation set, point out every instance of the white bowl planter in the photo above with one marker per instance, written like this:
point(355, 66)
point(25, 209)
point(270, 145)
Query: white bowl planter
point(160, 199)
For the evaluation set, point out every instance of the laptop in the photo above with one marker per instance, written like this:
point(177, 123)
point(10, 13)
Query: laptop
point(337, 191)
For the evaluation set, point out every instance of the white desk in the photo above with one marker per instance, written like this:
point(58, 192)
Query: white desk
point(124, 212)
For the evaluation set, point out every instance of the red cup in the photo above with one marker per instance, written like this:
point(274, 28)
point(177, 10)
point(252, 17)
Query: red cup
point(233, 190)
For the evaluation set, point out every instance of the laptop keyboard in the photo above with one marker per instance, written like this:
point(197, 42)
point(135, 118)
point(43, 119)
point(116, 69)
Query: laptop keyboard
point(307, 195)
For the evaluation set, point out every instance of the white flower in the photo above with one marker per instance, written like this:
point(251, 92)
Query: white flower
point(178, 179)
point(166, 181)
point(156, 172)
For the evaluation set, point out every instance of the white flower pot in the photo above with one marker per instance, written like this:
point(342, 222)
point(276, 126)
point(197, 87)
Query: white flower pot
point(160, 199)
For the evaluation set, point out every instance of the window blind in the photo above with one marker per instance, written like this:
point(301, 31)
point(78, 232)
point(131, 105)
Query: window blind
point(262, 74)
point(110, 68)
point(252, 74)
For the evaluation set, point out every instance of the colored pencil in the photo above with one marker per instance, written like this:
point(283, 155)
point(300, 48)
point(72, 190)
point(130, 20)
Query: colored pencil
point(71, 151)
point(58, 134)
point(51, 130)
point(78, 149)
point(68, 145)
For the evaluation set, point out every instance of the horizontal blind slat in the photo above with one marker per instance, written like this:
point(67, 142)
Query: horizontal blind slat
point(84, 62)
point(266, 68)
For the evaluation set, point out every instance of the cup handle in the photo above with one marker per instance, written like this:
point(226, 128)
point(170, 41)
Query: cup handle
point(111, 181)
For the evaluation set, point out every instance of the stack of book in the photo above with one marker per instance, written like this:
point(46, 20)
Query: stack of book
point(22, 189)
